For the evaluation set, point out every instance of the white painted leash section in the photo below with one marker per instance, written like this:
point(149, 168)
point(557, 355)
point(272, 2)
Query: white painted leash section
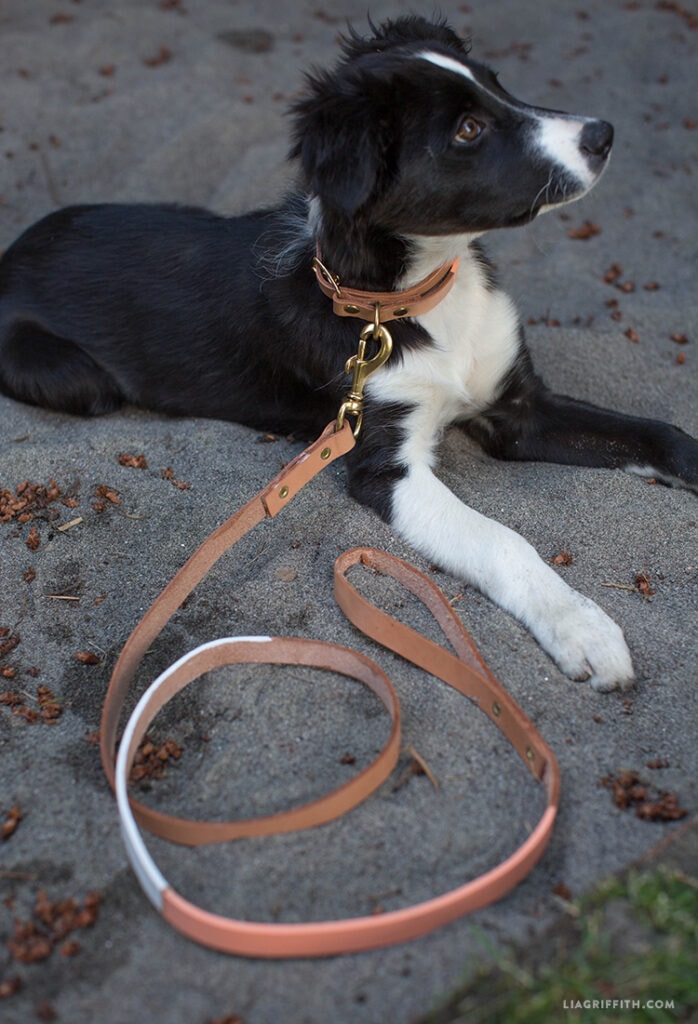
point(151, 879)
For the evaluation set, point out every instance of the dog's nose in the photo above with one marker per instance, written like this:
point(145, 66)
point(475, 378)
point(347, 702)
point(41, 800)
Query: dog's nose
point(597, 139)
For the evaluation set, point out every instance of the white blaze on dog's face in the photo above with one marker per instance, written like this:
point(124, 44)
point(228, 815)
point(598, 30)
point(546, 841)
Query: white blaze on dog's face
point(580, 146)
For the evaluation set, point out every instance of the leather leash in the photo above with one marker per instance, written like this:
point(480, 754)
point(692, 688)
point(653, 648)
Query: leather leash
point(463, 669)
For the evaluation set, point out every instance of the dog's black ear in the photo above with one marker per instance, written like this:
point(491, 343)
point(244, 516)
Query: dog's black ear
point(344, 126)
point(341, 139)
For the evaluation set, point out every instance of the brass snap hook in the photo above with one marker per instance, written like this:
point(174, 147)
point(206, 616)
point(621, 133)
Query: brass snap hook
point(361, 369)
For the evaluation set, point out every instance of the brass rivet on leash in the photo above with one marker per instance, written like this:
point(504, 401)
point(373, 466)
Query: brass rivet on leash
point(325, 454)
point(283, 492)
point(496, 710)
point(529, 754)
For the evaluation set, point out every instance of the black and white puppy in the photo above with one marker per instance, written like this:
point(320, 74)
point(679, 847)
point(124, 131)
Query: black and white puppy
point(409, 151)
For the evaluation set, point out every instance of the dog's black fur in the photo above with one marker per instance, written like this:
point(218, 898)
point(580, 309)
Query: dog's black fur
point(178, 310)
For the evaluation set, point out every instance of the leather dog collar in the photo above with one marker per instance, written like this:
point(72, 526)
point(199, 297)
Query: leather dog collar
point(414, 301)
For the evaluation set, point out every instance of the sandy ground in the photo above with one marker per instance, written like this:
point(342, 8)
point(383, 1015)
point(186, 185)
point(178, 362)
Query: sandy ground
point(185, 101)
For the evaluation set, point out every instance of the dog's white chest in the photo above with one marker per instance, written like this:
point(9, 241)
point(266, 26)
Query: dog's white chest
point(475, 339)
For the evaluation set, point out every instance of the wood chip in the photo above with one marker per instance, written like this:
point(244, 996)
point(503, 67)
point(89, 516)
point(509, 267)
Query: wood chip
point(629, 790)
point(12, 820)
point(86, 657)
point(133, 461)
point(70, 525)
point(587, 230)
point(49, 925)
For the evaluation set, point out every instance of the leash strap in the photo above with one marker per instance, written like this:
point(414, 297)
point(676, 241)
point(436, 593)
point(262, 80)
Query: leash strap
point(465, 670)
point(267, 504)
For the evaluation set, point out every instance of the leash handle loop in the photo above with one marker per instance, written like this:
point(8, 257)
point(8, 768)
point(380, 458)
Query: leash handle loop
point(465, 671)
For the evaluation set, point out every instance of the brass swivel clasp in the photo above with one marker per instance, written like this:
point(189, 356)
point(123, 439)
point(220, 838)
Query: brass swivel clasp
point(361, 368)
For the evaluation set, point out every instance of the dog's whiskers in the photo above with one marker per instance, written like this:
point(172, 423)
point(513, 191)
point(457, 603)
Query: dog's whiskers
point(544, 191)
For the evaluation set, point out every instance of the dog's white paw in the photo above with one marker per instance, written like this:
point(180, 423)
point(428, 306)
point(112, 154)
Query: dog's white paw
point(587, 644)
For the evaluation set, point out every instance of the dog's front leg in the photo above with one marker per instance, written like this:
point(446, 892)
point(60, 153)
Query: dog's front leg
point(529, 422)
point(576, 633)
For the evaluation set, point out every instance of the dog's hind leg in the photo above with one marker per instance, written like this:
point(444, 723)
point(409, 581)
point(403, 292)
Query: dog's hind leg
point(40, 368)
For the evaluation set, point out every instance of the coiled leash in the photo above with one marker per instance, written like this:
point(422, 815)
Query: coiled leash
point(462, 668)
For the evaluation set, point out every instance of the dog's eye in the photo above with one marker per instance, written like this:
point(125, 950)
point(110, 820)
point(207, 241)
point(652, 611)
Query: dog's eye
point(468, 130)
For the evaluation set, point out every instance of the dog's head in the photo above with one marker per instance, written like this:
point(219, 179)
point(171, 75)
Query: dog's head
point(410, 134)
